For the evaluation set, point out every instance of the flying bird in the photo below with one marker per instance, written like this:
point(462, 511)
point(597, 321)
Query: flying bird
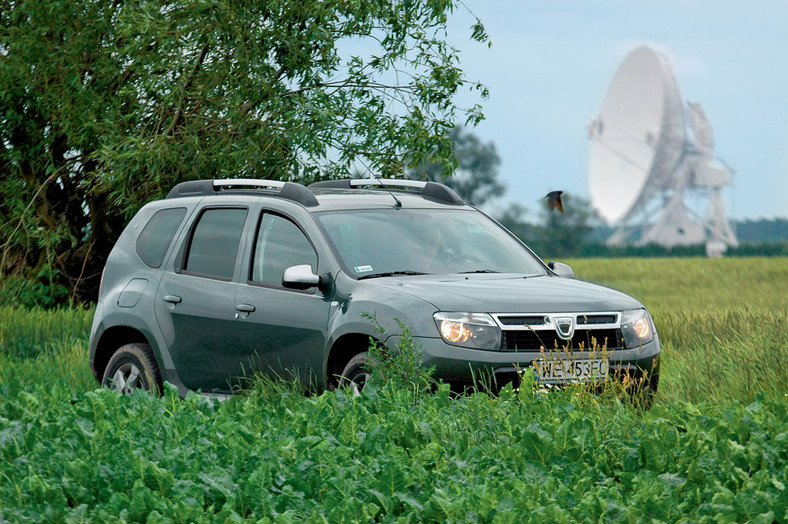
point(553, 199)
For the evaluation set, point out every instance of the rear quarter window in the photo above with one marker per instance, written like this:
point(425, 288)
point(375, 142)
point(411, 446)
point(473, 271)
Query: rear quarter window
point(157, 235)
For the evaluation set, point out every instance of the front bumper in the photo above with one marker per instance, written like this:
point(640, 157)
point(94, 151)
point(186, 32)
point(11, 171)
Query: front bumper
point(458, 365)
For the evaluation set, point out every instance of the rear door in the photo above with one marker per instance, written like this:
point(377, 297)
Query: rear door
point(195, 303)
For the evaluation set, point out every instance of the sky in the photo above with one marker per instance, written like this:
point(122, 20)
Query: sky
point(551, 62)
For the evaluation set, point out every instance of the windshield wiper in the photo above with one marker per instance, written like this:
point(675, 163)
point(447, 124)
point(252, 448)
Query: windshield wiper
point(392, 273)
point(478, 271)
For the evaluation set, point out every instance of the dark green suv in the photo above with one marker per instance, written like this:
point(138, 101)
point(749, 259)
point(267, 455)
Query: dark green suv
point(224, 279)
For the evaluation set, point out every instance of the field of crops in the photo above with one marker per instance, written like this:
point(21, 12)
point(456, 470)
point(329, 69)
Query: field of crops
point(713, 448)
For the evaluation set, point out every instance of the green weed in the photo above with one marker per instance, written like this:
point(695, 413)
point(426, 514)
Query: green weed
point(279, 456)
point(400, 367)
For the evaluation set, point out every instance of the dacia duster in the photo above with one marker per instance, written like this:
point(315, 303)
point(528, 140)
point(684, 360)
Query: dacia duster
point(225, 279)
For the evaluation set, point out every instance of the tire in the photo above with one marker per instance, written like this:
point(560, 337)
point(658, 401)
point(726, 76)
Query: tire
point(653, 384)
point(643, 394)
point(133, 367)
point(356, 373)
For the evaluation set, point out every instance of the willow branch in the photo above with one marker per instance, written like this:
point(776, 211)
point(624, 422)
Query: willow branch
point(179, 112)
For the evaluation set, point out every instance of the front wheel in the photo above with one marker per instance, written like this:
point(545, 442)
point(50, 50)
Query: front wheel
point(132, 367)
point(643, 391)
point(356, 373)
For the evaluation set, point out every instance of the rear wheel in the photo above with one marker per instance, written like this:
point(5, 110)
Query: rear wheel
point(132, 367)
point(356, 373)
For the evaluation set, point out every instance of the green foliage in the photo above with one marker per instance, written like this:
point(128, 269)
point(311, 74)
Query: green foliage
point(43, 290)
point(777, 248)
point(280, 456)
point(709, 450)
point(559, 234)
point(651, 250)
point(476, 176)
point(44, 347)
point(31, 333)
point(105, 105)
point(762, 231)
point(590, 248)
point(578, 232)
point(399, 368)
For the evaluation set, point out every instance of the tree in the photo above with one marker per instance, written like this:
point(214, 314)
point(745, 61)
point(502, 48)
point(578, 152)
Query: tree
point(564, 233)
point(512, 219)
point(476, 176)
point(105, 105)
point(561, 234)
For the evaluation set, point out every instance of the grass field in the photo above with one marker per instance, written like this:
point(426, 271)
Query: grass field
point(723, 323)
point(714, 448)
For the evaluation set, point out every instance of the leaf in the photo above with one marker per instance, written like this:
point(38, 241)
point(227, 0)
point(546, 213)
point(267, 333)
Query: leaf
point(391, 478)
point(385, 501)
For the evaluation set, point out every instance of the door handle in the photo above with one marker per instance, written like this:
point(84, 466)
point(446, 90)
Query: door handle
point(246, 308)
point(172, 299)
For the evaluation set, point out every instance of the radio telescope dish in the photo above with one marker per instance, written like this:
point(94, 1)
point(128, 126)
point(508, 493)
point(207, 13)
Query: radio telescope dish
point(646, 147)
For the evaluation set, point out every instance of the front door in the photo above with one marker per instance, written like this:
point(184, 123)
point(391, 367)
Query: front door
point(285, 329)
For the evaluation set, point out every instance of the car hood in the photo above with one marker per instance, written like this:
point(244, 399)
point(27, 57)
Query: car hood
point(510, 293)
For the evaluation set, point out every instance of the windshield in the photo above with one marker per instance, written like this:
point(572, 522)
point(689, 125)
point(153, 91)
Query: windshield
point(424, 241)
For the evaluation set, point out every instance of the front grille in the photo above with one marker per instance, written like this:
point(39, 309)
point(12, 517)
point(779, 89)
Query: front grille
point(523, 320)
point(526, 341)
point(587, 320)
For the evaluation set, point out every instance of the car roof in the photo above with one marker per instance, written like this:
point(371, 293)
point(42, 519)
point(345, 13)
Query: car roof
point(328, 195)
point(340, 199)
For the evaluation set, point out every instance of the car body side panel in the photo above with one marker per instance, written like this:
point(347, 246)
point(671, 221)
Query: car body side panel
point(123, 266)
point(118, 318)
point(363, 309)
point(285, 334)
point(196, 314)
point(287, 330)
point(197, 329)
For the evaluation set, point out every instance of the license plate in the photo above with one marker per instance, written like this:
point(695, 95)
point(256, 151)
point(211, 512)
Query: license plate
point(561, 371)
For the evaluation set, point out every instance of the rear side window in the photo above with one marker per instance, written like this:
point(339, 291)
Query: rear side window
point(157, 235)
point(214, 243)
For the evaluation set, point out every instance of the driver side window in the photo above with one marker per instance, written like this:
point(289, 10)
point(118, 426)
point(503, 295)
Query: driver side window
point(279, 245)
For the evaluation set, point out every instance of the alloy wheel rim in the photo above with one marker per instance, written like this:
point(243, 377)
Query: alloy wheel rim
point(126, 379)
point(357, 383)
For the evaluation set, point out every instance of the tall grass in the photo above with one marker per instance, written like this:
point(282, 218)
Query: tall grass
point(723, 323)
point(694, 284)
point(63, 363)
point(28, 333)
point(39, 347)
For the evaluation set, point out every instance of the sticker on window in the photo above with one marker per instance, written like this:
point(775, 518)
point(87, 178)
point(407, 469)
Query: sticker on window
point(363, 269)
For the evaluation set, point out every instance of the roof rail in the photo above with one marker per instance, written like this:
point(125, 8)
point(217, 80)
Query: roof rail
point(430, 190)
point(289, 190)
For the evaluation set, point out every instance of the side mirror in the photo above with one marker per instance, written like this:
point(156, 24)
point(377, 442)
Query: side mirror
point(300, 277)
point(561, 269)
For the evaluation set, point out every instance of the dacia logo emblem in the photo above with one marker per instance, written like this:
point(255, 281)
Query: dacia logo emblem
point(565, 327)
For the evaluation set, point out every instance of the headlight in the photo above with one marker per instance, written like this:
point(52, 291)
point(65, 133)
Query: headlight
point(469, 330)
point(637, 328)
